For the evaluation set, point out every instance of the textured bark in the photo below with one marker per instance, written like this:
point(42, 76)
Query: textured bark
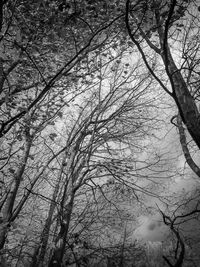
point(185, 149)
point(1, 13)
point(2, 77)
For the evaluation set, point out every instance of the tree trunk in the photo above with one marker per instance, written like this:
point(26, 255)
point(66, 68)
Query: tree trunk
point(184, 100)
point(9, 203)
point(185, 149)
point(40, 252)
point(1, 14)
point(57, 257)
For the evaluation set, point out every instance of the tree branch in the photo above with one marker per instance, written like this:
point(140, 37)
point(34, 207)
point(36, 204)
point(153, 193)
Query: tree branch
point(140, 49)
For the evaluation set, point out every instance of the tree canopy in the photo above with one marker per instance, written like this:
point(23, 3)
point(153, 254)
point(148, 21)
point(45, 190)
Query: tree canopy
point(99, 106)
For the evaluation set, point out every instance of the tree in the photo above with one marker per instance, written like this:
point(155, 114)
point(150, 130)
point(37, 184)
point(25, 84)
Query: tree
point(182, 220)
point(167, 20)
point(168, 29)
point(104, 120)
point(44, 47)
point(33, 80)
point(78, 108)
point(99, 120)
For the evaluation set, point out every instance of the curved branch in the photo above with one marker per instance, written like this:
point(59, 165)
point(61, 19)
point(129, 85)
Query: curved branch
point(165, 39)
point(168, 221)
point(140, 49)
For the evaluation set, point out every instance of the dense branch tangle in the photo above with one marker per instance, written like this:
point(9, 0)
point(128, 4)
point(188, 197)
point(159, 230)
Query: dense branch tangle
point(98, 130)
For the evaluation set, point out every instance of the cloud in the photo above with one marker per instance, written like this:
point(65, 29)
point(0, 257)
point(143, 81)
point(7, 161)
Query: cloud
point(152, 229)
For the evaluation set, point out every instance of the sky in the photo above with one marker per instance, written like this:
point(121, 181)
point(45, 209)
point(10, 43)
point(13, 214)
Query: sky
point(151, 227)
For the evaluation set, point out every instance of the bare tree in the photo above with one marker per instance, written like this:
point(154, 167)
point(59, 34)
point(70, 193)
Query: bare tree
point(165, 19)
point(99, 127)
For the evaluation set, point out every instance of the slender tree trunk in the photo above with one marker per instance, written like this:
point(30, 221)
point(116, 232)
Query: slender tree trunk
point(40, 251)
point(7, 209)
point(73, 182)
point(57, 257)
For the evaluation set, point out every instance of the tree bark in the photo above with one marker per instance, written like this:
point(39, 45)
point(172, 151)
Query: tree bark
point(1, 14)
point(185, 149)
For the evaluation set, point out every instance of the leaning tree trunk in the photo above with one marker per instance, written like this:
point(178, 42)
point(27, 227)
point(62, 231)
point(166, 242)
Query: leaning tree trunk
point(194, 167)
point(184, 100)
